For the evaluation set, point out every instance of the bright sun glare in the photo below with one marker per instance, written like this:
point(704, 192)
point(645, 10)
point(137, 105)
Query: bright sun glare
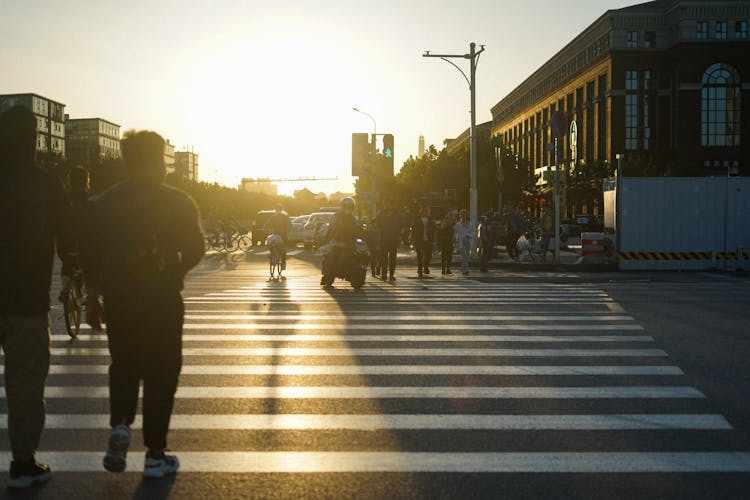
point(268, 108)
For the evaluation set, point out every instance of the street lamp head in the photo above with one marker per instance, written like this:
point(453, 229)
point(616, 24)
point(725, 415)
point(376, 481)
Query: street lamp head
point(355, 109)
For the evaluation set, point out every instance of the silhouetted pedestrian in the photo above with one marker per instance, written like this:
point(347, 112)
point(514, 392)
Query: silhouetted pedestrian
point(423, 238)
point(389, 224)
point(445, 237)
point(36, 215)
point(144, 237)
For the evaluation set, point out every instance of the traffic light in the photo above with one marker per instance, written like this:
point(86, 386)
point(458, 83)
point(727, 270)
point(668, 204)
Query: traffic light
point(360, 155)
point(388, 152)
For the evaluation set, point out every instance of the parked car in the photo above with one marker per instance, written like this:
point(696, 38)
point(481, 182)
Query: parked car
point(297, 234)
point(312, 227)
point(590, 222)
point(260, 229)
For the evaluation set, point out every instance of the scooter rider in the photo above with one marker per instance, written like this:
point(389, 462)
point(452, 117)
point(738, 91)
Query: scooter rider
point(341, 234)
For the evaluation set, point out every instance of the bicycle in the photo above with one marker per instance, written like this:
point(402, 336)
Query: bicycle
point(221, 242)
point(73, 301)
point(275, 259)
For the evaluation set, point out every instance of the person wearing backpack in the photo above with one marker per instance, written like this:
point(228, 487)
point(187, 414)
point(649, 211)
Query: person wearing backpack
point(141, 239)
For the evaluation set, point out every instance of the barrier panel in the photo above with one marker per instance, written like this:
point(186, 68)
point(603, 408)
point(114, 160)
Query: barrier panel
point(592, 248)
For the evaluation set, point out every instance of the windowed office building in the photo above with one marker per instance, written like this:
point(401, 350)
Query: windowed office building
point(50, 117)
point(661, 81)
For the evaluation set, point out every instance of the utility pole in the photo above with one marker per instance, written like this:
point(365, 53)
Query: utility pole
point(473, 57)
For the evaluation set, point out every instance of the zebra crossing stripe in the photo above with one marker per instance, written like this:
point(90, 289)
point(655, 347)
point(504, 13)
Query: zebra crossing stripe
point(378, 352)
point(395, 317)
point(410, 422)
point(390, 461)
point(369, 392)
point(408, 327)
point(389, 338)
point(303, 370)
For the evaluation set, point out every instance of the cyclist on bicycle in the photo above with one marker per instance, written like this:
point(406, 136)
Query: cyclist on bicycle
point(78, 194)
point(281, 224)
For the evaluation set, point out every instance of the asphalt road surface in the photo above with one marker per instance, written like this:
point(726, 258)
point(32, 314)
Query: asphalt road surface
point(495, 385)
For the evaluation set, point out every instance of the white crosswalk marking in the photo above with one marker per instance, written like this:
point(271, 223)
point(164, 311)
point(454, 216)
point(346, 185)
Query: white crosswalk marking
point(459, 357)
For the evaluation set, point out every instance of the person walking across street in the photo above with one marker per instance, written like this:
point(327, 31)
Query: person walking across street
point(143, 237)
point(463, 233)
point(389, 224)
point(445, 237)
point(423, 238)
point(36, 214)
point(281, 224)
point(547, 224)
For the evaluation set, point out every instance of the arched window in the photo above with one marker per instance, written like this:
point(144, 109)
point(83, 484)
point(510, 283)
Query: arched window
point(720, 106)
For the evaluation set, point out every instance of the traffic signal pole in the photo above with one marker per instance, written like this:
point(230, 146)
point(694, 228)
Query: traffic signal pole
point(473, 57)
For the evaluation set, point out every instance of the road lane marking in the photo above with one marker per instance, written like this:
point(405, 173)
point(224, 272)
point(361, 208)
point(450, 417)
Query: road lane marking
point(367, 392)
point(388, 461)
point(372, 422)
point(303, 370)
point(396, 351)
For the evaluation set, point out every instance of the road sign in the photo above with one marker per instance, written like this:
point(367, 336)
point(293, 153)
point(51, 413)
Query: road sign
point(559, 124)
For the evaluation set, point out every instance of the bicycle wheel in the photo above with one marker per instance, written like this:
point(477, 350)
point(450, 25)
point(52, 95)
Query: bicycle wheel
point(244, 243)
point(72, 310)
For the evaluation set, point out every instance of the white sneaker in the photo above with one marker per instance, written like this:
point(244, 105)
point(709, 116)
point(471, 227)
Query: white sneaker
point(117, 450)
point(160, 466)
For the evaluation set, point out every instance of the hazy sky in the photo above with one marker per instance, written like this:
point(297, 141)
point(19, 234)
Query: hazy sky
point(264, 88)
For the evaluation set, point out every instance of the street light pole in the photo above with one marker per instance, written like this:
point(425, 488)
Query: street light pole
point(473, 57)
point(373, 153)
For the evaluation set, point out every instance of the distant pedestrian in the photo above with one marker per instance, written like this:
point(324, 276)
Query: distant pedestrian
point(486, 234)
point(36, 216)
point(547, 223)
point(388, 223)
point(144, 237)
point(423, 239)
point(445, 237)
point(464, 235)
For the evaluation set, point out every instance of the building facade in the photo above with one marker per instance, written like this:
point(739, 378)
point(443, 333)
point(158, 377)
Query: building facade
point(186, 165)
point(89, 140)
point(660, 82)
point(169, 160)
point(50, 117)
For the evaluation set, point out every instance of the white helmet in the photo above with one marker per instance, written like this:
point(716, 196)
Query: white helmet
point(347, 204)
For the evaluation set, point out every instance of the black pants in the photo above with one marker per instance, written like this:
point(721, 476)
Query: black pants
point(145, 343)
point(446, 257)
point(485, 254)
point(424, 255)
point(388, 261)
